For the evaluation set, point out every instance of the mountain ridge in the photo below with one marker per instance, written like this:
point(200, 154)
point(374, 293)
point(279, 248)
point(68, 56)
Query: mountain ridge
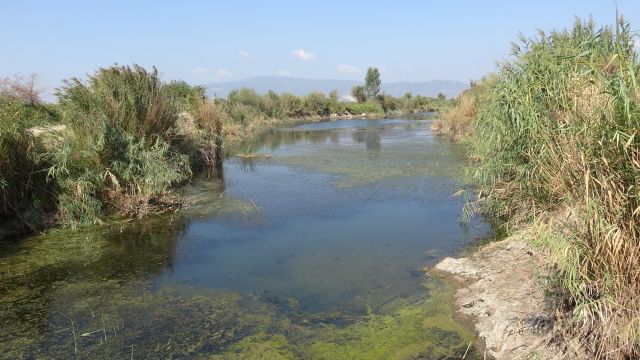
point(304, 86)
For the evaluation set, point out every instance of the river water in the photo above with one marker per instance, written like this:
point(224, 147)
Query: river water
point(310, 249)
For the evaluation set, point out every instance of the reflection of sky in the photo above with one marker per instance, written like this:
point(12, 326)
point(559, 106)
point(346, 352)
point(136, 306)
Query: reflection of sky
point(332, 226)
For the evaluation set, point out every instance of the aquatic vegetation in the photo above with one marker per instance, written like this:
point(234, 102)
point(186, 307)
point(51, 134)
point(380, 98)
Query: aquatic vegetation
point(426, 328)
point(357, 166)
point(99, 315)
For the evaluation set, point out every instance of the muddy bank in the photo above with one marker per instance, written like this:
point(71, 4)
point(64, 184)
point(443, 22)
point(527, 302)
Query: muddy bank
point(500, 291)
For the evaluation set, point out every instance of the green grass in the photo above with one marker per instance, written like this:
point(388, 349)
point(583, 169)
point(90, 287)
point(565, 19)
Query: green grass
point(24, 194)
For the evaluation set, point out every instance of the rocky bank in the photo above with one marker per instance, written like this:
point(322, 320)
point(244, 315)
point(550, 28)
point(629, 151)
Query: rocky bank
point(500, 291)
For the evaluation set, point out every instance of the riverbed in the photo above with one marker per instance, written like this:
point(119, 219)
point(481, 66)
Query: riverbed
point(310, 248)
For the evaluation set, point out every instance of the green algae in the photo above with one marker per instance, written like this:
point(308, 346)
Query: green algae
point(382, 153)
point(96, 317)
point(426, 327)
point(92, 293)
point(423, 329)
point(356, 168)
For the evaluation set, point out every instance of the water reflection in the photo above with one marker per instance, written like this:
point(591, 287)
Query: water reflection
point(370, 137)
point(313, 251)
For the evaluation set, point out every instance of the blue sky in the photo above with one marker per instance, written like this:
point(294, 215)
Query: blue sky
point(206, 41)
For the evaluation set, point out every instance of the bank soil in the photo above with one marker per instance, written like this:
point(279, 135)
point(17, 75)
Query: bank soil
point(500, 290)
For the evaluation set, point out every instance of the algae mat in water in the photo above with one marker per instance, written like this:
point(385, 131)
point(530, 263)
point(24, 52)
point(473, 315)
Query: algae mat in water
point(311, 253)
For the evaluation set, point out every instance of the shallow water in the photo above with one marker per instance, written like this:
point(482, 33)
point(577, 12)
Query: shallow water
point(313, 250)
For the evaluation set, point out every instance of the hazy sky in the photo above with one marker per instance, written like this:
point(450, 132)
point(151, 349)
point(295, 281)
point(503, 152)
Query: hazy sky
point(205, 41)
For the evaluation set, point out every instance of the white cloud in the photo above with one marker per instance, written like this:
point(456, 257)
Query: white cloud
point(409, 69)
point(218, 74)
point(245, 54)
point(348, 70)
point(303, 55)
point(284, 73)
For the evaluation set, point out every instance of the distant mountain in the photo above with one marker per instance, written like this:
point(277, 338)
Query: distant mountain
point(300, 87)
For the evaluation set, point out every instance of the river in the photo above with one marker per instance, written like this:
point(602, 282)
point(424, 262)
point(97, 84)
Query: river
point(311, 249)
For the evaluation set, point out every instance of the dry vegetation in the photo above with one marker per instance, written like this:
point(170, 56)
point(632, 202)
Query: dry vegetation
point(119, 155)
point(554, 143)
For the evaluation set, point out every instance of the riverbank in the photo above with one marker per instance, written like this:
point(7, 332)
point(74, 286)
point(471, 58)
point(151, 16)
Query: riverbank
point(288, 257)
point(553, 142)
point(500, 292)
point(235, 134)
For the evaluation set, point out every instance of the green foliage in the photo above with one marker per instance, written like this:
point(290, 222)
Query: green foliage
point(124, 151)
point(556, 139)
point(131, 98)
point(372, 82)
point(316, 104)
point(369, 107)
point(24, 194)
point(186, 97)
point(358, 92)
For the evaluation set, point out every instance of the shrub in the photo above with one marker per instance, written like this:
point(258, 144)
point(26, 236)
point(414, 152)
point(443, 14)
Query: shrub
point(369, 107)
point(120, 157)
point(186, 98)
point(24, 194)
point(131, 98)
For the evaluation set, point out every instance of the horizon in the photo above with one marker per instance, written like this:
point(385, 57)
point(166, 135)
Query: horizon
point(409, 42)
point(328, 79)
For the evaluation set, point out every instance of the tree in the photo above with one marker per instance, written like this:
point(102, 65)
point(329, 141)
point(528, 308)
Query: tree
point(441, 96)
point(372, 82)
point(358, 92)
point(21, 89)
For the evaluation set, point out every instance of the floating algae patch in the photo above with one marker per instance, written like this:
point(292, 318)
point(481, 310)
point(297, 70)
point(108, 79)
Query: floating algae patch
point(362, 156)
point(111, 320)
point(356, 168)
point(419, 330)
point(271, 261)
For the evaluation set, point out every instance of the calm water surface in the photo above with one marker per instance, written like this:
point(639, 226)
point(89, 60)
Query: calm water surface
point(312, 250)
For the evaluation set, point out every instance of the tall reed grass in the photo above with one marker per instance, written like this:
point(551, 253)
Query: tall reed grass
point(555, 143)
point(24, 192)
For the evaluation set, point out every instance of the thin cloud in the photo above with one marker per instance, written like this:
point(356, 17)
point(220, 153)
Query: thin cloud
point(284, 73)
point(201, 71)
point(303, 55)
point(348, 70)
point(245, 54)
point(218, 74)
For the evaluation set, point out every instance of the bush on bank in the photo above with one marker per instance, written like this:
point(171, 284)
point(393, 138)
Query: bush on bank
point(123, 139)
point(553, 139)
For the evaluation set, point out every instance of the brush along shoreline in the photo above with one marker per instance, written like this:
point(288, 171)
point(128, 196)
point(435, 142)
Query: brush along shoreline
point(500, 291)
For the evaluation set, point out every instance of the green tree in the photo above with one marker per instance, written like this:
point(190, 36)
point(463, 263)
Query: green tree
point(358, 92)
point(372, 82)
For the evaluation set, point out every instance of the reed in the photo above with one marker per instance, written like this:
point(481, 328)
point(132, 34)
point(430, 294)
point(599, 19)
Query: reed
point(555, 143)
